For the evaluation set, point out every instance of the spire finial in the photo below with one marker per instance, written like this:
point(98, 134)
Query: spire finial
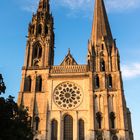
point(100, 27)
point(43, 5)
point(68, 50)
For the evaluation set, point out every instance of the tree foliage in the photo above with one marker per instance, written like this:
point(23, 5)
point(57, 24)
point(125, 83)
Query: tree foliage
point(15, 123)
point(2, 85)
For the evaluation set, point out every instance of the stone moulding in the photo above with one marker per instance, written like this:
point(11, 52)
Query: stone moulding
point(69, 69)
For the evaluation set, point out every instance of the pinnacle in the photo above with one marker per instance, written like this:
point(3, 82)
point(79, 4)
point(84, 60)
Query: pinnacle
point(43, 5)
point(68, 50)
point(100, 28)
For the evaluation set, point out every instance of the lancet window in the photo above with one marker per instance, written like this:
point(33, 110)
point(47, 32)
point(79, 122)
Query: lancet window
point(39, 84)
point(102, 65)
point(68, 127)
point(96, 82)
point(37, 53)
point(39, 29)
point(81, 130)
point(99, 120)
point(112, 120)
point(109, 81)
point(46, 29)
point(54, 129)
point(27, 84)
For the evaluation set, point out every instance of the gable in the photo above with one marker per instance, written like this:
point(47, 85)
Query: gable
point(68, 60)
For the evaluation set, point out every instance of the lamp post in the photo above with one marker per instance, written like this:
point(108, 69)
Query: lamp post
point(2, 85)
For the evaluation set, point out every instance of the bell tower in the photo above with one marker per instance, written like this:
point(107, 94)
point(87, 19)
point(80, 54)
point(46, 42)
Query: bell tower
point(103, 53)
point(109, 105)
point(39, 58)
point(40, 39)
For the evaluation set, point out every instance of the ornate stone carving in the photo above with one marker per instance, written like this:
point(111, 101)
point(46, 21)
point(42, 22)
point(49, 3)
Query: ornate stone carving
point(68, 95)
point(69, 69)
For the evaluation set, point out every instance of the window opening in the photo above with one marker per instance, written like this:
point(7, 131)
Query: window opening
point(39, 29)
point(97, 82)
point(102, 65)
point(68, 127)
point(112, 120)
point(109, 81)
point(99, 119)
point(54, 127)
point(81, 130)
point(27, 84)
point(38, 84)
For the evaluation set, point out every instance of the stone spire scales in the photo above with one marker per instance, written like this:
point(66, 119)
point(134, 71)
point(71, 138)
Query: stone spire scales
point(100, 27)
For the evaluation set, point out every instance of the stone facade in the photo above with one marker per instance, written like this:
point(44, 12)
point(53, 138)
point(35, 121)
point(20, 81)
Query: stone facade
point(72, 101)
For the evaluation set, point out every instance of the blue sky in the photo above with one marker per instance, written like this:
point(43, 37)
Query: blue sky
point(73, 19)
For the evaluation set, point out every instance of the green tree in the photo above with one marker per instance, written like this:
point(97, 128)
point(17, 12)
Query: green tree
point(15, 123)
point(2, 85)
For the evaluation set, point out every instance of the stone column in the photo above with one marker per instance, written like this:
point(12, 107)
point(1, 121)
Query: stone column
point(106, 117)
point(20, 96)
point(60, 126)
point(26, 59)
point(30, 57)
point(91, 108)
point(77, 127)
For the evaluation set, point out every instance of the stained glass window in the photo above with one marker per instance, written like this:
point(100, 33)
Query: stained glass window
point(54, 127)
point(81, 130)
point(68, 127)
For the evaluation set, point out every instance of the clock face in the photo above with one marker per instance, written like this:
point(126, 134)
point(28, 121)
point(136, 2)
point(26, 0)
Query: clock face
point(68, 95)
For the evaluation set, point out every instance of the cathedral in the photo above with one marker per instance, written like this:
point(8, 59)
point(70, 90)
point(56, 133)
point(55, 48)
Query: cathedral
point(71, 101)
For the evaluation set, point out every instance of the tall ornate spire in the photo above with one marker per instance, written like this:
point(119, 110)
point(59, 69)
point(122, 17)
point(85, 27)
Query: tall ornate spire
point(100, 28)
point(43, 5)
point(40, 38)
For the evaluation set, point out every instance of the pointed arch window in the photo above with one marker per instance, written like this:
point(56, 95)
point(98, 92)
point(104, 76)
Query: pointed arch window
point(109, 81)
point(27, 84)
point(99, 119)
point(102, 65)
point(112, 120)
point(39, 29)
point(96, 82)
point(37, 53)
point(46, 29)
point(37, 123)
point(81, 130)
point(44, 5)
point(31, 29)
point(68, 127)
point(54, 129)
point(102, 46)
point(38, 84)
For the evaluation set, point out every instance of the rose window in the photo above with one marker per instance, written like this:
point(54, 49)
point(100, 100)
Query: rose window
point(68, 95)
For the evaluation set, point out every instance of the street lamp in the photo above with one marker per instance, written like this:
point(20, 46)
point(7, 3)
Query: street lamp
point(2, 85)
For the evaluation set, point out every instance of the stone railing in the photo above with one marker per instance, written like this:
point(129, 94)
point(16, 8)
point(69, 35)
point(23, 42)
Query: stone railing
point(69, 69)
